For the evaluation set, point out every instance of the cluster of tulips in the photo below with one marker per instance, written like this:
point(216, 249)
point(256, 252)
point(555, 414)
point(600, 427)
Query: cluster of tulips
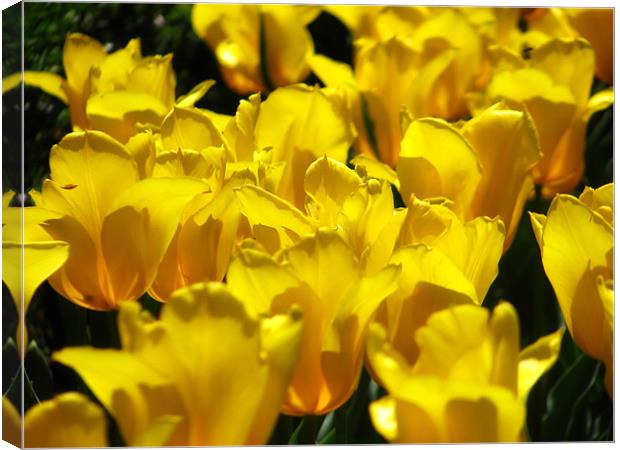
point(285, 260)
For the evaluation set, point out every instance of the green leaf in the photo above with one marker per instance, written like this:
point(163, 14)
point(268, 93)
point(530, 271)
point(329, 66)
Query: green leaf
point(563, 395)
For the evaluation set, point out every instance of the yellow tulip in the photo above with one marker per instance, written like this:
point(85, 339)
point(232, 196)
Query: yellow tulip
point(484, 168)
point(444, 262)
point(221, 382)
point(302, 123)
point(470, 382)
point(554, 87)
point(67, 420)
point(322, 275)
point(576, 241)
point(118, 227)
point(360, 209)
point(424, 67)
point(593, 24)
point(29, 256)
point(108, 92)
point(258, 47)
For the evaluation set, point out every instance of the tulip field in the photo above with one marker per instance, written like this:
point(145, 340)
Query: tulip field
point(246, 224)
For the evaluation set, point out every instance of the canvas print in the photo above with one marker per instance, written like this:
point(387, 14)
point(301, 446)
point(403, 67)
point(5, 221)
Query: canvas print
point(242, 224)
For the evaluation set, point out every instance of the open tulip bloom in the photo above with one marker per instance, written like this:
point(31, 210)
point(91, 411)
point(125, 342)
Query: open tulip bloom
point(274, 237)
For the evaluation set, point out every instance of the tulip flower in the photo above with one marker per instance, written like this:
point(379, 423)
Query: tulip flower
point(317, 125)
point(470, 382)
point(337, 198)
point(322, 275)
point(258, 47)
point(593, 24)
point(108, 92)
point(426, 69)
point(118, 232)
point(29, 256)
point(67, 420)
point(444, 262)
point(484, 168)
point(554, 87)
point(221, 382)
point(576, 240)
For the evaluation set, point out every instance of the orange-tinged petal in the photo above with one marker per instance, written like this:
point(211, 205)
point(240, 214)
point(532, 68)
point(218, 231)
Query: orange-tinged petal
point(67, 420)
point(596, 25)
point(507, 147)
point(11, 423)
point(288, 45)
point(138, 230)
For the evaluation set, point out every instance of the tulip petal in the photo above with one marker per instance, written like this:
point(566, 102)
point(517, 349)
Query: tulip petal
point(41, 260)
point(263, 208)
point(536, 359)
point(598, 102)
point(426, 221)
point(257, 279)
point(134, 393)
point(67, 420)
point(453, 172)
point(118, 112)
point(137, 232)
point(507, 147)
point(11, 423)
point(79, 190)
point(47, 81)
point(538, 224)
point(475, 247)
point(569, 63)
point(155, 76)
point(188, 100)
point(209, 318)
point(328, 183)
point(189, 128)
point(80, 54)
point(577, 244)
point(455, 330)
point(292, 132)
point(429, 282)
point(333, 73)
point(288, 45)
point(504, 329)
point(600, 200)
